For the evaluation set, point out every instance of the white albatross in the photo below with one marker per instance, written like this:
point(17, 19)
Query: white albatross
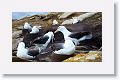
point(43, 41)
point(25, 53)
point(27, 28)
point(76, 37)
point(35, 33)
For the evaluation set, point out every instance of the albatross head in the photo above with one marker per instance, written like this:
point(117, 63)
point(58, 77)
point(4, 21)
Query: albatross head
point(35, 30)
point(50, 34)
point(63, 30)
point(27, 26)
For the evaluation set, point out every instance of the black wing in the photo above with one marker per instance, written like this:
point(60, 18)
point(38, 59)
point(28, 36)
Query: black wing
point(29, 38)
point(94, 41)
point(41, 40)
point(57, 46)
point(33, 52)
point(25, 32)
point(59, 37)
point(41, 32)
point(78, 35)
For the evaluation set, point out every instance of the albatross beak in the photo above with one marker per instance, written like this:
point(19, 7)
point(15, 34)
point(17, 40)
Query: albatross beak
point(56, 31)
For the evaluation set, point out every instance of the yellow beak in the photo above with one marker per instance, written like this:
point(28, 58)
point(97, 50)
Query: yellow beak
point(56, 31)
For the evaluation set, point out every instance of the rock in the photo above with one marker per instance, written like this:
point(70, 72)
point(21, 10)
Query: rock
point(51, 16)
point(15, 43)
point(92, 56)
point(94, 20)
point(78, 58)
point(16, 34)
point(19, 28)
point(80, 47)
point(95, 56)
point(79, 18)
point(55, 22)
point(50, 22)
point(84, 16)
point(51, 57)
point(65, 15)
point(32, 18)
point(16, 59)
point(69, 21)
point(81, 51)
point(14, 53)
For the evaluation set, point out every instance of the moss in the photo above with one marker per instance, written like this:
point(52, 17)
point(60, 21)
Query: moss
point(92, 56)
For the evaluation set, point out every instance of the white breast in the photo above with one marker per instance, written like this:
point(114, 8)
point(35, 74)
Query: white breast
point(23, 54)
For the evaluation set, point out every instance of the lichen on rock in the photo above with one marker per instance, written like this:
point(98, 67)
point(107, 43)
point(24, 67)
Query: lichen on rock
point(92, 56)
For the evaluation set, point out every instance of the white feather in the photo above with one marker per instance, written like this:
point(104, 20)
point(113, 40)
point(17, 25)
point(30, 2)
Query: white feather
point(43, 46)
point(66, 34)
point(22, 52)
point(69, 48)
point(35, 30)
point(27, 26)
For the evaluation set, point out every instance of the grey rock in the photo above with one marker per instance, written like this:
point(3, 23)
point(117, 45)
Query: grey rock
point(84, 16)
point(69, 21)
point(65, 15)
point(19, 28)
point(79, 18)
point(16, 34)
point(15, 43)
point(16, 59)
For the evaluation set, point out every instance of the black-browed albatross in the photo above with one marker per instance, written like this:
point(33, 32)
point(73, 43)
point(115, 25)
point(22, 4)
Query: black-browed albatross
point(76, 37)
point(35, 33)
point(25, 53)
point(43, 41)
point(27, 28)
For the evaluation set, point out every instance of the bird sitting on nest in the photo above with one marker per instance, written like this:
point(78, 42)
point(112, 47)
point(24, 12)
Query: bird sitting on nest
point(25, 53)
point(27, 28)
point(76, 37)
point(43, 41)
point(57, 52)
point(67, 48)
point(35, 33)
